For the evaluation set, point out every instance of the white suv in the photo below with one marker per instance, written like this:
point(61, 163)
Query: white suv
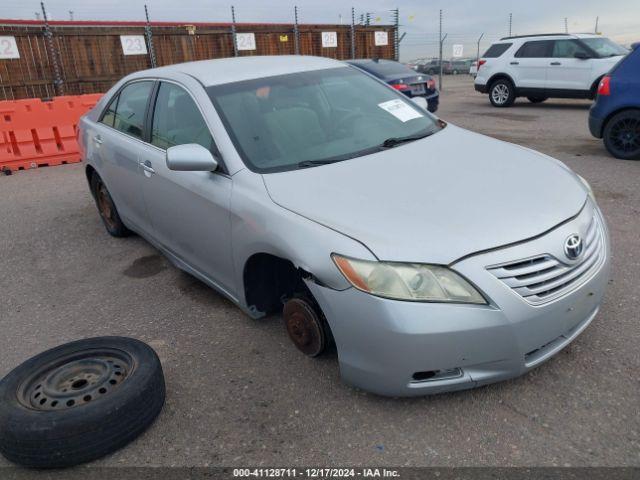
point(542, 66)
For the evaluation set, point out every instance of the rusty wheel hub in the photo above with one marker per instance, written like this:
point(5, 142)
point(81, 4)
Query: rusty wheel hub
point(304, 327)
point(105, 205)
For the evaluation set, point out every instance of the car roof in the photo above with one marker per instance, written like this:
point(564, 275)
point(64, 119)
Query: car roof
point(544, 36)
point(235, 69)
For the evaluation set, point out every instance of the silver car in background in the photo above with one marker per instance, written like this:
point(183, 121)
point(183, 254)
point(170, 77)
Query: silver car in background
point(434, 258)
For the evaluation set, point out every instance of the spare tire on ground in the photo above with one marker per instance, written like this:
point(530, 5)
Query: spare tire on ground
point(79, 401)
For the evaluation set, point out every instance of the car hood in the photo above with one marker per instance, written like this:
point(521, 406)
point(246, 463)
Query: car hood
point(437, 199)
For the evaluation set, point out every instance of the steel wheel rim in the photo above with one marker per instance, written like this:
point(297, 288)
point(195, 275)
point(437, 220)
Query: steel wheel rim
point(76, 379)
point(105, 205)
point(625, 135)
point(500, 93)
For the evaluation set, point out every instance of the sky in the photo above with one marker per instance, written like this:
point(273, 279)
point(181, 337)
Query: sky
point(463, 20)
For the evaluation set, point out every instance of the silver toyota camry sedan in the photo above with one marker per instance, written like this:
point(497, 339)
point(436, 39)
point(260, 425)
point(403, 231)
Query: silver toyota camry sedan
point(430, 257)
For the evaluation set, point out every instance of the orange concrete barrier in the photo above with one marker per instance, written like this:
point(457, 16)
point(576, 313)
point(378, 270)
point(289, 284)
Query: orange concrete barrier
point(36, 133)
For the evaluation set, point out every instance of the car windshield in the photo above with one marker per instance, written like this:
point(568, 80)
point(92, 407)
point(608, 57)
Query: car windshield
point(605, 47)
point(311, 118)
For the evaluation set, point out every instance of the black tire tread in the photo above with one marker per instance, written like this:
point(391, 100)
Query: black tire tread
point(512, 96)
point(55, 439)
point(120, 230)
point(606, 135)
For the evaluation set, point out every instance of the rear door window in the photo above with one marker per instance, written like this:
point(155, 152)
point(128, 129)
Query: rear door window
point(130, 109)
point(535, 49)
point(496, 50)
point(110, 113)
point(568, 49)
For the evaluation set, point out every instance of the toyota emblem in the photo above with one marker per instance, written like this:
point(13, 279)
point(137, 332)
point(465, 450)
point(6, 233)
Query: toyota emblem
point(573, 246)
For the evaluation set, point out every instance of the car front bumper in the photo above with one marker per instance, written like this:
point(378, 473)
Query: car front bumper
point(400, 348)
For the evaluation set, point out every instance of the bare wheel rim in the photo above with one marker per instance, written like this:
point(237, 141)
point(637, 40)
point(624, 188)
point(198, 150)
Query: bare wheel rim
point(105, 206)
point(625, 135)
point(304, 327)
point(76, 379)
point(500, 93)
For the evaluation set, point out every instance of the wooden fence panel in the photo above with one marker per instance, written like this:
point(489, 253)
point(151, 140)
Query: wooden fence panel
point(91, 60)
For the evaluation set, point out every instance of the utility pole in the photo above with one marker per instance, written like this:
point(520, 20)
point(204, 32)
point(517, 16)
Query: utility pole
point(353, 32)
point(296, 31)
point(395, 15)
point(147, 29)
point(233, 31)
point(58, 82)
point(597, 19)
point(442, 39)
point(566, 25)
point(510, 23)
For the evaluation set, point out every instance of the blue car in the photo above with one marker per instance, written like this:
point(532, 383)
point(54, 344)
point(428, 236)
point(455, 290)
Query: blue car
point(403, 79)
point(615, 115)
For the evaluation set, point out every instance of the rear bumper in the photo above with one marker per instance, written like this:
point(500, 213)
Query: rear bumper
point(596, 125)
point(433, 101)
point(481, 88)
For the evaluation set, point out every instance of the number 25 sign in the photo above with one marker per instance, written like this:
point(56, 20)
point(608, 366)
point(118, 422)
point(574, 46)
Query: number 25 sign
point(133, 44)
point(8, 48)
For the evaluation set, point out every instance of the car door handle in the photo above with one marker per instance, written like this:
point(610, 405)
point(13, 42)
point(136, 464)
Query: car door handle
point(556, 63)
point(97, 140)
point(515, 63)
point(147, 167)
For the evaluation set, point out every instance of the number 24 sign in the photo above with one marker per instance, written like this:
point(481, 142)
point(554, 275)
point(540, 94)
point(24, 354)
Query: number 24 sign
point(8, 48)
point(133, 44)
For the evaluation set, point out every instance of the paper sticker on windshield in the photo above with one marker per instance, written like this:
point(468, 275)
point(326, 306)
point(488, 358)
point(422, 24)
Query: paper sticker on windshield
point(400, 110)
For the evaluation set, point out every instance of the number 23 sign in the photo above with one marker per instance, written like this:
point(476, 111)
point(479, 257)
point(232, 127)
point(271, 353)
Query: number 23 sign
point(133, 44)
point(8, 48)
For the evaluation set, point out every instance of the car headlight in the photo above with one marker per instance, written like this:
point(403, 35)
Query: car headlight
point(589, 189)
point(408, 281)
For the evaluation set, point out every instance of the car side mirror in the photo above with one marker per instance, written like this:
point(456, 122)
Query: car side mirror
point(191, 157)
point(582, 56)
point(421, 102)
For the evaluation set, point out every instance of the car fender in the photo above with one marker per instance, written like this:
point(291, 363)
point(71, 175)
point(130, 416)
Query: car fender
point(259, 225)
point(499, 75)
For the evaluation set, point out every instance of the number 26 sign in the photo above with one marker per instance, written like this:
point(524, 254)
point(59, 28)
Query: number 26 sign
point(133, 45)
point(8, 48)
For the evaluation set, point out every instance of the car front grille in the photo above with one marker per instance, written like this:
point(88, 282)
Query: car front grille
point(544, 278)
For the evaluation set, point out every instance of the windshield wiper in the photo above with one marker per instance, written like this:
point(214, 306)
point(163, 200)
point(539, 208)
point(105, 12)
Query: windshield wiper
point(388, 143)
point(315, 163)
point(395, 141)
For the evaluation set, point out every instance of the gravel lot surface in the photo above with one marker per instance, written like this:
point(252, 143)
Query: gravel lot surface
point(238, 391)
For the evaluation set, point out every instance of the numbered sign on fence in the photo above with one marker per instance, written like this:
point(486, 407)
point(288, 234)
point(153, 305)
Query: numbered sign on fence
point(381, 39)
point(8, 48)
point(133, 44)
point(246, 41)
point(457, 51)
point(329, 39)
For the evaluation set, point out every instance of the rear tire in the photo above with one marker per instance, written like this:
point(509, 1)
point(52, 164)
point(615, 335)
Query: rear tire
point(107, 208)
point(622, 135)
point(502, 93)
point(537, 99)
